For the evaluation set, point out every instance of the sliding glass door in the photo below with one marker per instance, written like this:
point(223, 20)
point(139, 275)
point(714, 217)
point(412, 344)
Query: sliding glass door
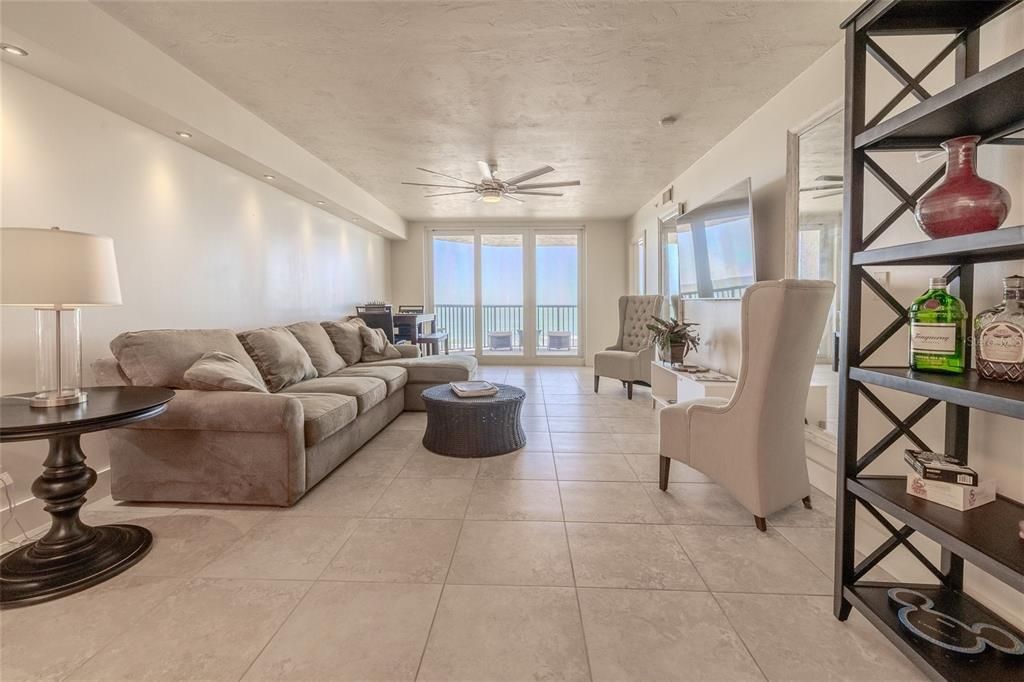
point(508, 293)
point(454, 258)
point(501, 293)
point(557, 278)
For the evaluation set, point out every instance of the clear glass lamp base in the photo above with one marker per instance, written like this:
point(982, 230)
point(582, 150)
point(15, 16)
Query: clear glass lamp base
point(68, 396)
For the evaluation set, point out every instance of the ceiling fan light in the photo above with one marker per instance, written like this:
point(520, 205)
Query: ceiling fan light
point(491, 196)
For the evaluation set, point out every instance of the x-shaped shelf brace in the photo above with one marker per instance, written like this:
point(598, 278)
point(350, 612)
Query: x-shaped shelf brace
point(900, 311)
point(911, 84)
point(899, 536)
point(907, 201)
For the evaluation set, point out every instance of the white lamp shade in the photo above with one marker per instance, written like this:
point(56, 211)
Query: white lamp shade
point(50, 268)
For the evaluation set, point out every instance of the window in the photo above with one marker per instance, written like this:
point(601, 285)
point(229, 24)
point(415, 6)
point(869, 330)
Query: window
point(508, 293)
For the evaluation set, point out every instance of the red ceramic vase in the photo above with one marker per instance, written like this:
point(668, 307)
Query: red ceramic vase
point(962, 203)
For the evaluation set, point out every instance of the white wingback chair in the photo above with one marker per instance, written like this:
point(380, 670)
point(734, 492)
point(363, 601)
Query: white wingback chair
point(753, 443)
point(629, 360)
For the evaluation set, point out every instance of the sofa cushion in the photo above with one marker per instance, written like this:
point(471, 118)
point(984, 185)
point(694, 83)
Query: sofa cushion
point(432, 369)
point(324, 414)
point(318, 345)
point(346, 339)
point(160, 357)
point(280, 358)
point(366, 390)
point(218, 371)
point(393, 377)
point(376, 346)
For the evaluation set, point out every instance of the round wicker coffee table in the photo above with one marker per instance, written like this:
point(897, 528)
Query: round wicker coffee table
point(473, 427)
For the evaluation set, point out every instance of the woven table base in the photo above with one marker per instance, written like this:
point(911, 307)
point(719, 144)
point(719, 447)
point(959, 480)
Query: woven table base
point(474, 427)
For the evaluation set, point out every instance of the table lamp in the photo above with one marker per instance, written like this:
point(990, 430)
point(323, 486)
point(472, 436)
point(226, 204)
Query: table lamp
point(57, 272)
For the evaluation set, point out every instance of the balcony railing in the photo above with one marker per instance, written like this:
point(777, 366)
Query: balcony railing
point(504, 327)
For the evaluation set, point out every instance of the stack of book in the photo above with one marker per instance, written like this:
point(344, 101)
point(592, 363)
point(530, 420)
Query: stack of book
point(473, 389)
point(942, 479)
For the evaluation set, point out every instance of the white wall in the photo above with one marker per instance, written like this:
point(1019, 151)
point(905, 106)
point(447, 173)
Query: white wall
point(198, 244)
point(757, 148)
point(605, 273)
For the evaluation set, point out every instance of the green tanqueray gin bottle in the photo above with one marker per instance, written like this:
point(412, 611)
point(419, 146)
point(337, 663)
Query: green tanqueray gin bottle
point(938, 330)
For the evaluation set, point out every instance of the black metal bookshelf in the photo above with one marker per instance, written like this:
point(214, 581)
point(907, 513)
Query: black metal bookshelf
point(985, 102)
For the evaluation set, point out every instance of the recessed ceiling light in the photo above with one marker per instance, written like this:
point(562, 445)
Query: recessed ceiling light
point(13, 49)
point(321, 203)
point(667, 121)
point(268, 176)
point(184, 134)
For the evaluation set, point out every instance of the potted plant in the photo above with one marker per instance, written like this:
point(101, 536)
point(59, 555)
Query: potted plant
point(674, 338)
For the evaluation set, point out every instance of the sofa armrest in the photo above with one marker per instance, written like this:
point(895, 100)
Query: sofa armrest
point(614, 347)
point(106, 372)
point(409, 350)
point(228, 411)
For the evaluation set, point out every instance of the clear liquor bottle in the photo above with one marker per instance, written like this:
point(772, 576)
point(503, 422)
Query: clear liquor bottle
point(938, 330)
point(999, 335)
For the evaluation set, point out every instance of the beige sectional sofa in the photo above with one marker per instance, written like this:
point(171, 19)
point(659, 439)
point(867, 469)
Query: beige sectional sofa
point(266, 448)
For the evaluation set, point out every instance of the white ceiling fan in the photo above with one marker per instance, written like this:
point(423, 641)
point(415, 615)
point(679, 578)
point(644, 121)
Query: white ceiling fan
point(492, 189)
point(833, 186)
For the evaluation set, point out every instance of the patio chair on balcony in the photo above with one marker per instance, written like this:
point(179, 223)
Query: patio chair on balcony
point(499, 340)
point(559, 340)
point(629, 360)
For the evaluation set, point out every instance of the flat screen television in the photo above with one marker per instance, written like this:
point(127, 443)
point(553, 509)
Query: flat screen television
point(716, 246)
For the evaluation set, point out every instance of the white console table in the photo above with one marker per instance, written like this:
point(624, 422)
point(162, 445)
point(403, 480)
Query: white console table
point(670, 386)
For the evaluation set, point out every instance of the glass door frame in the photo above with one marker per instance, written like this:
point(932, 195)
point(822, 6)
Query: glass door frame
point(529, 353)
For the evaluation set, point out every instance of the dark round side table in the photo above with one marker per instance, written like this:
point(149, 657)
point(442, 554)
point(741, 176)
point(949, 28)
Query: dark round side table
point(473, 427)
point(72, 555)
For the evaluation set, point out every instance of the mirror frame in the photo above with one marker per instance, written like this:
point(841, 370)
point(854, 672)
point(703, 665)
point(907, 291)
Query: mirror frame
point(793, 182)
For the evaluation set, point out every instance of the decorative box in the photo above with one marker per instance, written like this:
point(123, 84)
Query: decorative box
point(959, 497)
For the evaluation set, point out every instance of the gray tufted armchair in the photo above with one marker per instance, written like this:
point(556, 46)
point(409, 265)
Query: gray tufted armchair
point(629, 360)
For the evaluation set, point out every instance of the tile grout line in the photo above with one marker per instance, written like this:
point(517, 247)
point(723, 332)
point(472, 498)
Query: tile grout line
point(738, 635)
point(183, 582)
point(444, 585)
point(284, 620)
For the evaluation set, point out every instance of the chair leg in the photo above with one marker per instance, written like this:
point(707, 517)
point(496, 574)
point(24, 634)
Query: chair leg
point(664, 464)
point(761, 524)
point(807, 502)
point(629, 390)
point(597, 382)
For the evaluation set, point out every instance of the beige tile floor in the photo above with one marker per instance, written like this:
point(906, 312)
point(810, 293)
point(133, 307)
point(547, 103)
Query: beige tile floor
point(560, 561)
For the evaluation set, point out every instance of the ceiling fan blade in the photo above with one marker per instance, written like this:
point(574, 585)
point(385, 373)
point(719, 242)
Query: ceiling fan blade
point(509, 196)
point(450, 177)
point(448, 194)
point(427, 184)
point(829, 178)
point(485, 171)
point(543, 194)
point(541, 185)
point(818, 188)
point(828, 194)
point(529, 175)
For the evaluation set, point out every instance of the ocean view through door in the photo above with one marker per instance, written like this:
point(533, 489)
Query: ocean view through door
point(508, 293)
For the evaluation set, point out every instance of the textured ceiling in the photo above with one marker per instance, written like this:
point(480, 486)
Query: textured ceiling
point(376, 89)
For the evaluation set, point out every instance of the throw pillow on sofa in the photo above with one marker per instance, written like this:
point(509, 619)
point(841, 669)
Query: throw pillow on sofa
point(218, 371)
point(318, 344)
point(376, 346)
point(346, 339)
point(160, 357)
point(280, 358)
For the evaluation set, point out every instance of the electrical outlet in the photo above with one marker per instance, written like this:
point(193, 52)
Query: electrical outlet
point(6, 478)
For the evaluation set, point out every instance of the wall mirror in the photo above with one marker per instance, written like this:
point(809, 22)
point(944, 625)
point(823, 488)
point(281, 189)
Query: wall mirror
point(814, 217)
